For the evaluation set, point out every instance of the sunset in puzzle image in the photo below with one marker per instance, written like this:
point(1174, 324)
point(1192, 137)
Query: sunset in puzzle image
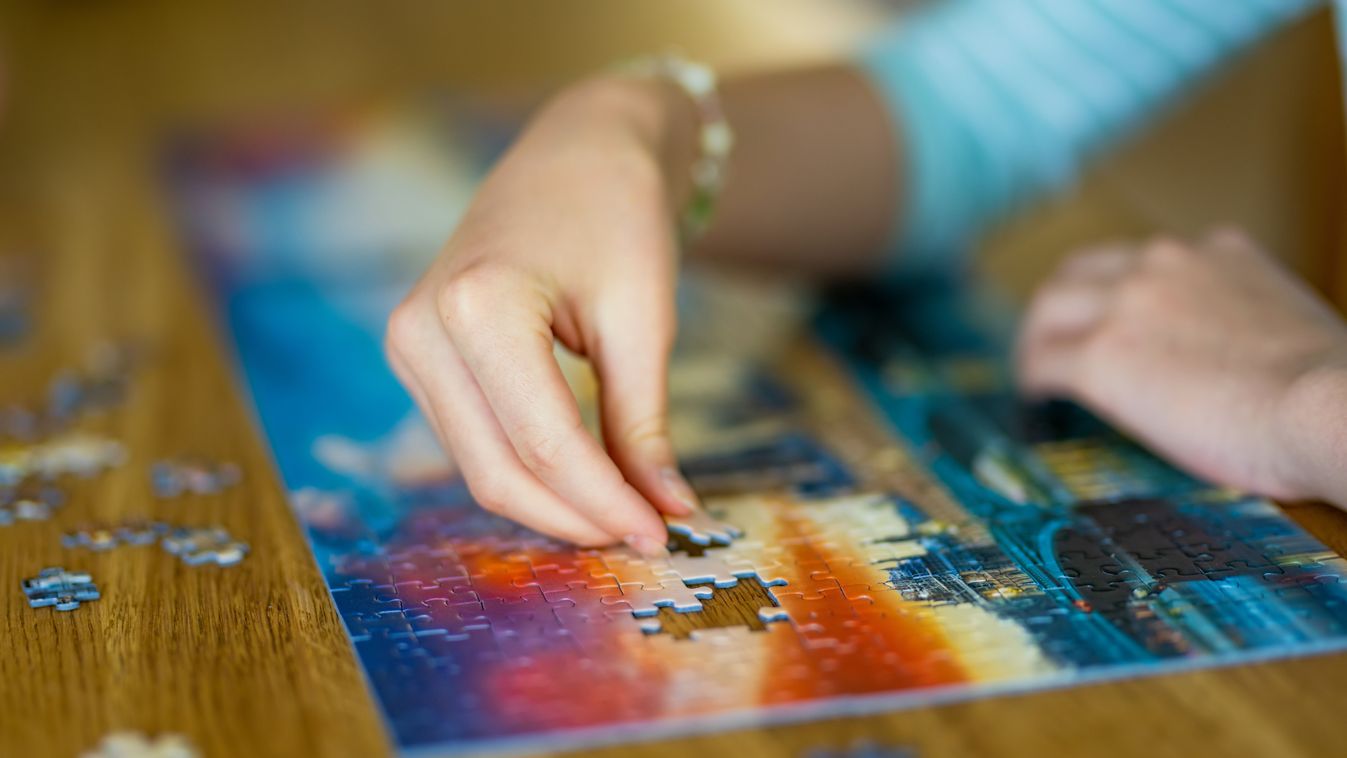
point(911, 530)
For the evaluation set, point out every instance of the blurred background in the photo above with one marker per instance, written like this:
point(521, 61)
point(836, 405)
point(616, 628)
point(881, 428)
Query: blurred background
point(95, 90)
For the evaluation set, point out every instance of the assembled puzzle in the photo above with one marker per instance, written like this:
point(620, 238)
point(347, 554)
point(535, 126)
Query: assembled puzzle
point(916, 533)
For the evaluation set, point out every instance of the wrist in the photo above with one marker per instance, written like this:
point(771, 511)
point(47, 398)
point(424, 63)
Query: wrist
point(1313, 432)
point(653, 116)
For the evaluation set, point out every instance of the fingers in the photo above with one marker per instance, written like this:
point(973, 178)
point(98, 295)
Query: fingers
point(1102, 263)
point(1228, 238)
point(1076, 297)
point(1066, 308)
point(632, 361)
point(505, 340)
point(461, 418)
point(1063, 313)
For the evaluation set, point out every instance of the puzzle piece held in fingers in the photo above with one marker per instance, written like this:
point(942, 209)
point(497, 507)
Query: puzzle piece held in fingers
point(703, 529)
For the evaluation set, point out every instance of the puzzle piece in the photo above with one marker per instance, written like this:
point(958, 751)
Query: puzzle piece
point(702, 528)
point(175, 477)
point(97, 539)
point(137, 745)
point(198, 547)
point(673, 593)
point(28, 504)
point(82, 455)
point(101, 538)
point(61, 589)
point(710, 567)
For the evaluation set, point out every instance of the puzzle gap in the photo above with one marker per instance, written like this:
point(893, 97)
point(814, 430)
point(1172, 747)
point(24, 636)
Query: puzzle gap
point(727, 607)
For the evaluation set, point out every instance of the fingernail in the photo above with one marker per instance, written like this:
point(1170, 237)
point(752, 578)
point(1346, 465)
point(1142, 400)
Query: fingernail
point(646, 546)
point(680, 489)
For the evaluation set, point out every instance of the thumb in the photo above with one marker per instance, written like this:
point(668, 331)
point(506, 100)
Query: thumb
point(633, 371)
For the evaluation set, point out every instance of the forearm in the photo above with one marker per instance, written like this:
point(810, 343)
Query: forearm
point(812, 179)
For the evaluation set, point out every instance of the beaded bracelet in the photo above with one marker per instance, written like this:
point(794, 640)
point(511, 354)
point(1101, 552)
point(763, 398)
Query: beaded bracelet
point(715, 139)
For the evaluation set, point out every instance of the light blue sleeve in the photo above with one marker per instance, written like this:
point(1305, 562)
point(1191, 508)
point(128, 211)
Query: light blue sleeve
point(999, 102)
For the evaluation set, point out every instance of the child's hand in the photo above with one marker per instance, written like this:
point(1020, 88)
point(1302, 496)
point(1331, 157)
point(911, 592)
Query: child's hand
point(1209, 352)
point(571, 237)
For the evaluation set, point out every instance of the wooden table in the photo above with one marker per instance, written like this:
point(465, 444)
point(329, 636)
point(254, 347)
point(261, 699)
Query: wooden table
point(253, 660)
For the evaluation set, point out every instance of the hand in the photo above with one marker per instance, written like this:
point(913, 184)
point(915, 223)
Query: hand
point(1210, 353)
point(570, 238)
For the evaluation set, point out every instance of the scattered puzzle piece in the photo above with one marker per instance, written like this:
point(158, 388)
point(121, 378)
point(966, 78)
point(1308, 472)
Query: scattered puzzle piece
point(198, 547)
point(79, 454)
point(100, 538)
point(172, 478)
point(137, 745)
point(61, 589)
point(25, 503)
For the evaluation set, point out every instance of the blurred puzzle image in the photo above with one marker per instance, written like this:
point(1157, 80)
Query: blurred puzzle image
point(915, 531)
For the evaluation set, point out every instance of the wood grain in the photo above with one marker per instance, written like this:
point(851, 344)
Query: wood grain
point(252, 660)
point(248, 660)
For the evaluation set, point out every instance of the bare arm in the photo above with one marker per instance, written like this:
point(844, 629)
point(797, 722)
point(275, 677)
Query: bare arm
point(813, 180)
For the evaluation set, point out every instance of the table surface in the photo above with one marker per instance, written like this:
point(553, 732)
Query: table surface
point(253, 660)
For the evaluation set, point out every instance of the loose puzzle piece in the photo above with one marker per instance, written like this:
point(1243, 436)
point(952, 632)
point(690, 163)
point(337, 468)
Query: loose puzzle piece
point(137, 745)
point(96, 386)
point(100, 538)
point(26, 503)
point(59, 588)
point(198, 547)
point(79, 454)
point(171, 478)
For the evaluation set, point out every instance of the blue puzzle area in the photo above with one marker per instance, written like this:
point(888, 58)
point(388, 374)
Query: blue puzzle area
point(1156, 564)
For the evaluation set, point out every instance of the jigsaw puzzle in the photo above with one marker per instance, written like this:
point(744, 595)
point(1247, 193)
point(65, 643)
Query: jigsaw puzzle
point(919, 534)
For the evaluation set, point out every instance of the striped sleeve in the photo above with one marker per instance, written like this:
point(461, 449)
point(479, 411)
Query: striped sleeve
point(1002, 101)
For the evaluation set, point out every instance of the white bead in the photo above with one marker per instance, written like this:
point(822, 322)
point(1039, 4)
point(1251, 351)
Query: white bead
point(698, 80)
point(717, 139)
